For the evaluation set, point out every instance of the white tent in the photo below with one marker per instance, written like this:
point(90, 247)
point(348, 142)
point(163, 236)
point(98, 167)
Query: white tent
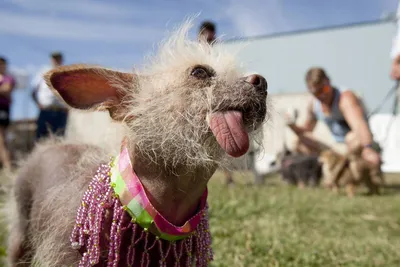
point(386, 131)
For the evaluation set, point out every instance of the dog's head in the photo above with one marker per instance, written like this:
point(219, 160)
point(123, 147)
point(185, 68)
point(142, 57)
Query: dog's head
point(191, 104)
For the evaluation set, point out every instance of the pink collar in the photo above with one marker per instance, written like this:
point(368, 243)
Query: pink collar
point(130, 191)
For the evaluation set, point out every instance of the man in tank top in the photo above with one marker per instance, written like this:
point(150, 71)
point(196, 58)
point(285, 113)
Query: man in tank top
point(343, 113)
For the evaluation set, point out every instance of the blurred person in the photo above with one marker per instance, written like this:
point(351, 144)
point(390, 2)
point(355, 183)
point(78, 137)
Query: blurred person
point(53, 114)
point(343, 113)
point(7, 84)
point(395, 56)
point(207, 32)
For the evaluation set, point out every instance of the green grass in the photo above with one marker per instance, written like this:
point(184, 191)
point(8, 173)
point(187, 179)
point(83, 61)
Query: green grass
point(277, 225)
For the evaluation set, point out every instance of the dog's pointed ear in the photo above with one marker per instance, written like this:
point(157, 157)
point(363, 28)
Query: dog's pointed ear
point(88, 87)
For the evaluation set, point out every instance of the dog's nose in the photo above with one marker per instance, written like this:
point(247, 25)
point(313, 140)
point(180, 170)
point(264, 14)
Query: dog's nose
point(257, 81)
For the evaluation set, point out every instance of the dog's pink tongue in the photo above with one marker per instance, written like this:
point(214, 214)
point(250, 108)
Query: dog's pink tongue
point(228, 128)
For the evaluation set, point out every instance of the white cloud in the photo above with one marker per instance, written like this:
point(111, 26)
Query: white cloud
point(256, 17)
point(73, 29)
point(86, 8)
point(109, 21)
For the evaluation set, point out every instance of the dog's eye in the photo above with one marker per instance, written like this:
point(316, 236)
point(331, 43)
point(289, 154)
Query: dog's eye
point(200, 73)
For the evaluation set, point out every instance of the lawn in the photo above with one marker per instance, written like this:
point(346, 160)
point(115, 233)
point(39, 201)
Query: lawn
point(277, 225)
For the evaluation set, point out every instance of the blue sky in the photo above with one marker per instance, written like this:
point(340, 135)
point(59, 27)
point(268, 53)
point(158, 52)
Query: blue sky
point(120, 33)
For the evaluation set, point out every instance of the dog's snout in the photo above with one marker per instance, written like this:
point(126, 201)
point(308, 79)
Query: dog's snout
point(253, 79)
point(257, 81)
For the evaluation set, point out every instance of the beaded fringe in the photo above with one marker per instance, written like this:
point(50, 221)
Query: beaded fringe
point(98, 201)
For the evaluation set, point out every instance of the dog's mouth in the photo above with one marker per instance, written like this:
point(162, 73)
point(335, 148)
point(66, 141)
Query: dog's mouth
point(234, 118)
point(230, 131)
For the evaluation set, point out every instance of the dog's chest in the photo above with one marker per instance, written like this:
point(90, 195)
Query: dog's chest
point(106, 235)
point(141, 248)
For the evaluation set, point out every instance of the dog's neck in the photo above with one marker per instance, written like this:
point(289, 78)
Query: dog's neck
point(174, 193)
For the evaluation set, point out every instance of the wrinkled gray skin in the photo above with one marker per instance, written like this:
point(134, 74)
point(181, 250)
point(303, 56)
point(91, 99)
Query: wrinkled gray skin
point(50, 185)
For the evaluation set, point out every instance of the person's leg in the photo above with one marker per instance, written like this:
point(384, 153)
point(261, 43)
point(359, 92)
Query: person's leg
point(42, 122)
point(342, 162)
point(62, 118)
point(4, 153)
point(4, 123)
point(55, 122)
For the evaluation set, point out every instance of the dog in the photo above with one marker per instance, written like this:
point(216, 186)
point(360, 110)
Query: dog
point(349, 170)
point(187, 112)
point(300, 170)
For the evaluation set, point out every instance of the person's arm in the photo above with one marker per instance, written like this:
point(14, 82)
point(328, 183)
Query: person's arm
point(308, 125)
point(35, 85)
point(353, 113)
point(302, 132)
point(34, 96)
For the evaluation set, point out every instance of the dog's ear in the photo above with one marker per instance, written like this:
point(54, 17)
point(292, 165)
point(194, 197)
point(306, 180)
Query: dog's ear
point(88, 87)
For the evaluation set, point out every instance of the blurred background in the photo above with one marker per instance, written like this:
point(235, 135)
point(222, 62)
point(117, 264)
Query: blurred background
point(354, 41)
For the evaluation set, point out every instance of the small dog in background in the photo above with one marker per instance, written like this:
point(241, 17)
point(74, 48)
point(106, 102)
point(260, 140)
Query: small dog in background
point(300, 170)
point(336, 171)
point(349, 171)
